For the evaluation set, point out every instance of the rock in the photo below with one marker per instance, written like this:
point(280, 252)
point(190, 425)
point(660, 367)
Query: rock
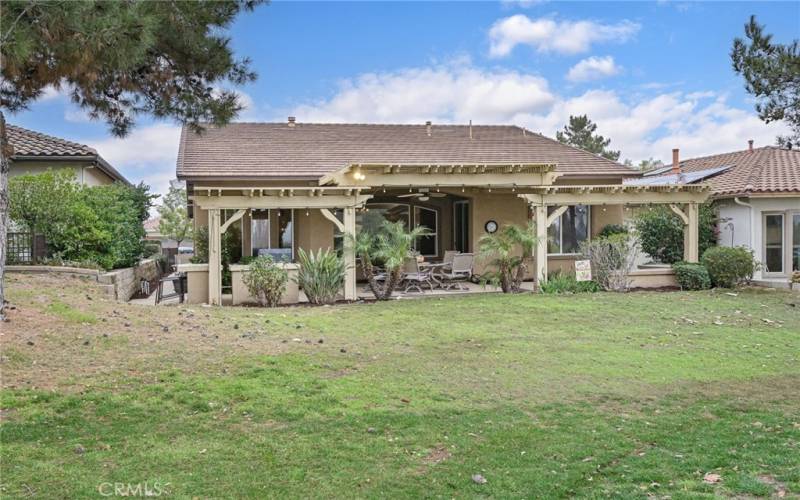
point(105, 335)
point(342, 350)
point(86, 342)
point(80, 450)
point(712, 478)
point(478, 479)
point(30, 342)
point(127, 324)
point(165, 328)
point(236, 326)
point(372, 430)
point(320, 341)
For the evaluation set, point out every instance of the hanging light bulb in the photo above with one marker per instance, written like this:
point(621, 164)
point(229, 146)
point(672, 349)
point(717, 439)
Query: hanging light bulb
point(384, 189)
point(462, 189)
point(306, 212)
point(514, 188)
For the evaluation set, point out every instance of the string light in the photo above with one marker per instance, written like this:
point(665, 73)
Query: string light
point(462, 189)
point(306, 212)
point(514, 188)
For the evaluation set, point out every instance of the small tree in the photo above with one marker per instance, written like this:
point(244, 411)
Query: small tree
point(580, 133)
point(390, 244)
point(266, 280)
point(509, 251)
point(175, 223)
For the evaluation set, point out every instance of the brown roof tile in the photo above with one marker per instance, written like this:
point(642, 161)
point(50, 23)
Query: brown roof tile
point(29, 143)
point(311, 150)
point(763, 170)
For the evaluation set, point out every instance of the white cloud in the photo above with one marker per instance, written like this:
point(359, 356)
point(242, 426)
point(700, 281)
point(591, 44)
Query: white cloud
point(549, 35)
point(593, 68)
point(447, 93)
point(640, 127)
point(147, 154)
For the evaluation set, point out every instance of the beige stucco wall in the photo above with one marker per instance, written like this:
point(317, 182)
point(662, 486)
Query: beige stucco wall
point(87, 175)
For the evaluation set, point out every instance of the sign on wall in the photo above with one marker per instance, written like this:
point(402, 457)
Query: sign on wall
point(583, 270)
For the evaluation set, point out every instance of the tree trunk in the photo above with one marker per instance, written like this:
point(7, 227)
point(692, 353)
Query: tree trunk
point(5, 152)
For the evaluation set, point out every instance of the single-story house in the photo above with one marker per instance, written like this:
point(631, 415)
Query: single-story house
point(757, 192)
point(283, 186)
point(35, 152)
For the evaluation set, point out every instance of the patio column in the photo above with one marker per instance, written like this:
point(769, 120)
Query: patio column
point(540, 214)
point(214, 257)
point(350, 292)
point(691, 234)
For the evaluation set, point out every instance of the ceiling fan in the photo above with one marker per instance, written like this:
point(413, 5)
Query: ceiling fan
point(424, 194)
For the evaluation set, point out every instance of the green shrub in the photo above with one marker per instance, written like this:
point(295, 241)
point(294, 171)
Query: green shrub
point(200, 246)
point(266, 280)
point(321, 275)
point(729, 266)
point(691, 276)
point(151, 248)
point(559, 282)
point(612, 229)
point(660, 232)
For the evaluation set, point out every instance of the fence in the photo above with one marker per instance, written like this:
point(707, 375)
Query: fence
point(26, 248)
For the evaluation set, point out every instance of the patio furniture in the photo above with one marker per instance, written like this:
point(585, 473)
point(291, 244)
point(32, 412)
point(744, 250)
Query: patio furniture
point(460, 271)
point(415, 277)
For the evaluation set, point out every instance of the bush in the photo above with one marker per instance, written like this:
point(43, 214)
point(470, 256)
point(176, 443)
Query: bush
point(612, 260)
point(660, 232)
point(151, 248)
point(266, 280)
point(729, 266)
point(321, 275)
point(101, 224)
point(691, 276)
point(559, 282)
point(612, 229)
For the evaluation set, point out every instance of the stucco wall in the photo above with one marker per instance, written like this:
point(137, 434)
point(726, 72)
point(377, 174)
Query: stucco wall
point(87, 175)
point(744, 226)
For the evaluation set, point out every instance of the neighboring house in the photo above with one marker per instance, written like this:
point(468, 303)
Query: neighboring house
point(283, 186)
point(757, 191)
point(35, 152)
point(169, 247)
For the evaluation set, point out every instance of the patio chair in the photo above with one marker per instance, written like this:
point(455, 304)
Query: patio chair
point(413, 277)
point(460, 271)
point(447, 262)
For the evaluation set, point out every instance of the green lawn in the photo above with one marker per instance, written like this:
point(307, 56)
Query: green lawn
point(595, 395)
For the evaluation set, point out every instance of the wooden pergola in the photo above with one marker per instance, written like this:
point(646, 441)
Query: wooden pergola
point(683, 199)
point(352, 186)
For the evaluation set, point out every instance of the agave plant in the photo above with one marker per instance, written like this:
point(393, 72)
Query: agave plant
point(508, 250)
point(390, 244)
point(321, 275)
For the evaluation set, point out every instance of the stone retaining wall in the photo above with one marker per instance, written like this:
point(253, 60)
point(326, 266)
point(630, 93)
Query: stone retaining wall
point(122, 284)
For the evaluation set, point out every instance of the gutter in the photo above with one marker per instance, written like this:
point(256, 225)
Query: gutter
point(96, 160)
point(738, 201)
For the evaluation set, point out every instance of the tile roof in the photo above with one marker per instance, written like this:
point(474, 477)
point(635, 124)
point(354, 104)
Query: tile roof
point(311, 150)
point(763, 170)
point(29, 143)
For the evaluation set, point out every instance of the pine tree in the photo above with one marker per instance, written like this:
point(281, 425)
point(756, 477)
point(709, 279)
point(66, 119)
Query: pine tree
point(771, 73)
point(580, 133)
point(117, 60)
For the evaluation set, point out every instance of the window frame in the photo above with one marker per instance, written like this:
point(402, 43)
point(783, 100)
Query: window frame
point(782, 215)
point(561, 233)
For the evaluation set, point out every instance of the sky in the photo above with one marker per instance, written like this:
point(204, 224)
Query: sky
point(652, 75)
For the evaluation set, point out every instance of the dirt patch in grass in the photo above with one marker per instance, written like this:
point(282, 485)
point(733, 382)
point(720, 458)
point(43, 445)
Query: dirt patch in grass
point(438, 454)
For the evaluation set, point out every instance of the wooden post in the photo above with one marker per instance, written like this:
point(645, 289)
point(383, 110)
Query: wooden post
point(214, 258)
point(350, 292)
point(540, 214)
point(691, 234)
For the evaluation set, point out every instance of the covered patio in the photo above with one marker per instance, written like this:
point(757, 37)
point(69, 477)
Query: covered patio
point(459, 201)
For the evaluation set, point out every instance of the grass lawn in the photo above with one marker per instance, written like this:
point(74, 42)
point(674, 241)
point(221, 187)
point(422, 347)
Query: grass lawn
point(595, 395)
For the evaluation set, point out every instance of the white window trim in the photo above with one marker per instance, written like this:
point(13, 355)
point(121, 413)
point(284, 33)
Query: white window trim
point(784, 235)
point(561, 234)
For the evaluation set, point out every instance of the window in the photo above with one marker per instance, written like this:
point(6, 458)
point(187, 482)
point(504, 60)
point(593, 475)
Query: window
point(773, 243)
point(279, 243)
point(426, 217)
point(461, 226)
point(567, 232)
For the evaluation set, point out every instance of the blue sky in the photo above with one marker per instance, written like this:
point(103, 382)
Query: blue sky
point(653, 75)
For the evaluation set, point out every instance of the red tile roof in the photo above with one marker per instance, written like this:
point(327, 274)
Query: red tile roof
point(311, 150)
point(763, 170)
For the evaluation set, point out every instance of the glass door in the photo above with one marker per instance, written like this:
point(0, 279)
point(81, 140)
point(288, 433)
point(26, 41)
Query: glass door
point(796, 242)
point(773, 243)
point(461, 226)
